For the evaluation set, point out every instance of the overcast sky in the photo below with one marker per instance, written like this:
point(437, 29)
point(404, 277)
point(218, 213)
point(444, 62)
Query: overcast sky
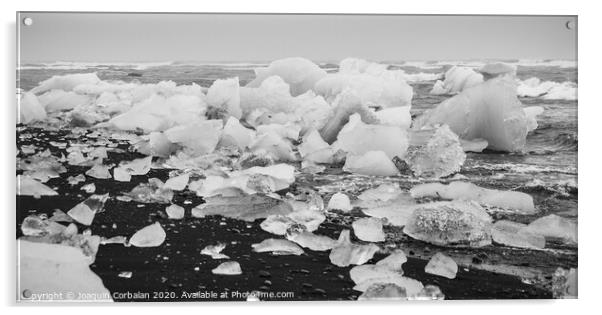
point(222, 38)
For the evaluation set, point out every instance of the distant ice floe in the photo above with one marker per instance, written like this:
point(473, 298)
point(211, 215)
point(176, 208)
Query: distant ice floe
point(534, 87)
point(68, 65)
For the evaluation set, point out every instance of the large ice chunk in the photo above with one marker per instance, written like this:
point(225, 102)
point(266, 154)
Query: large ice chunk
point(247, 208)
point(85, 211)
point(59, 269)
point(150, 236)
point(357, 138)
point(374, 84)
point(435, 153)
point(66, 82)
point(456, 80)
point(235, 133)
point(224, 97)
point(201, 137)
point(59, 100)
point(489, 111)
point(158, 113)
point(369, 229)
point(27, 186)
point(301, 74)
point(346, 253)
point(30, 109)
point(442, 265)
point(395, 116)
point(555, 227)
point(312, 241)
point(375, 163)
point(455, 223)
point(516, 235)
point(459, 190)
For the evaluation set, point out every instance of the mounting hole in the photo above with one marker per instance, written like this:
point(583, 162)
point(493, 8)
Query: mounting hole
point(27, 21)
point(570, 25)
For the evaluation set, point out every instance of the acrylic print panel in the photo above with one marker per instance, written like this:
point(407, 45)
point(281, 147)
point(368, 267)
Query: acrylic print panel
point(245, 157)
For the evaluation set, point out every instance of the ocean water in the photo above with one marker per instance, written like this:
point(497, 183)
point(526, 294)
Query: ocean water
point(547, 169)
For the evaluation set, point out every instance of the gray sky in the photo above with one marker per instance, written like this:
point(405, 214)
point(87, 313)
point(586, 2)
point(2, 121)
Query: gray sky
point(221, 37)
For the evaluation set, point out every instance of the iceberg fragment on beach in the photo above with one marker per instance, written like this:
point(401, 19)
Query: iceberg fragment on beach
point(230, 268)
point(246, 208)
point(458, 190)
point(456, 80)
point(489, 111)
point(224, 97)
point(150, 236)
point(346, 253)
point(395, 116)
point(177, 183)
point(278, 247)
point(99, 171)
point(312, 241)
point(27, 186)
point(369, 229)
point(442, 265)
point(383, 292)
point(301, 74)
point(59, 269)
point(553, 226)
point(30, 109)
point(125, 170)
point(235, 133)
point(85, 211)
point(358, 138)
point(66, 82)
point(516, 235)
point(215, 251)
point(375, 163)
point(454, 223)
point(435, 153)
point(394, 261)
point(339, 201)
point(174, 212)
point(374, 84)
point(201, 137)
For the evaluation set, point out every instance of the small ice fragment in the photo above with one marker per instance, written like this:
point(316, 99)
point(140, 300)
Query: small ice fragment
point(383, 292)
point(89, 188)
point(516, 235)
point(177, 183)
point(435, 153)
point(99, 171)
point(442, 265)
point(125, 274)
point(556, 227)
point(394, 261)
point(150, 236)
point(346, 253)
point(74, 180)
point(458, 190)
point(375, 163)
point(26, 186)
point(384, 192)
point(175, 212)
point(454, 223)
point(278, 247)
point(215, 251)
point(277, 224)
point(340, 201)
point(136, 167)
point(60, 216)
point(231, 268)
point(85, 211)
point(369, 229)
point(312, 241)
